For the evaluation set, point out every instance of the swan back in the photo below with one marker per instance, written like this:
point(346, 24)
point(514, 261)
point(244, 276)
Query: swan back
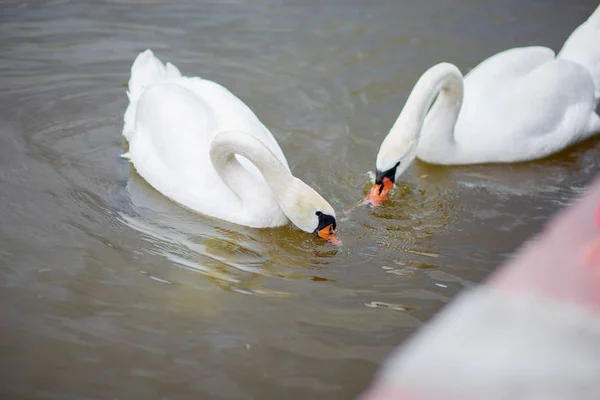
point(225, 110)
point(524, 104)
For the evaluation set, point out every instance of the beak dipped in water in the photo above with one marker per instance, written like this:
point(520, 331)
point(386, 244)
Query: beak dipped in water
point(379, 192)
point(328, 233)
point(326, 228)
point(384, 182)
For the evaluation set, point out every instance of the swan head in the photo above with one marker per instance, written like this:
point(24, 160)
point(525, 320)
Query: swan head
point(309, 211)
point(395, 156)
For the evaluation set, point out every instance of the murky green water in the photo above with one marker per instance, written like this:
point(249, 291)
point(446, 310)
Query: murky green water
point(110, 291)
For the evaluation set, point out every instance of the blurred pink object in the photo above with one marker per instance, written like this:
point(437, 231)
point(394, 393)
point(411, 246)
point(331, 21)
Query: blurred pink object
point(531, 332)
point(591, 255)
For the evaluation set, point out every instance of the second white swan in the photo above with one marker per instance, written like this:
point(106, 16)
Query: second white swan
point(518, 105)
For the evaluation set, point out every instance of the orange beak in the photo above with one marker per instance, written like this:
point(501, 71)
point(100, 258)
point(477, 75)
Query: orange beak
point(378, 192)
point(328, 234)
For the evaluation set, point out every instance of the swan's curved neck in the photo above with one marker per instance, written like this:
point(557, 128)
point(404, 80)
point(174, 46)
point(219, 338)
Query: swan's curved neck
point(223, 150)
point(428, 124)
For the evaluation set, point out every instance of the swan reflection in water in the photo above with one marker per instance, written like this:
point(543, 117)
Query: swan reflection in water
point(232, 257)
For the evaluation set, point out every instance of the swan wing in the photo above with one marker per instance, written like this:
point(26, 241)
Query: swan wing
point(506, 66)
point(527, 112)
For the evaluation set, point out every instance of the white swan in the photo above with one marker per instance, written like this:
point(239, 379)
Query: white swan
point(201, 146)
point(520, 104)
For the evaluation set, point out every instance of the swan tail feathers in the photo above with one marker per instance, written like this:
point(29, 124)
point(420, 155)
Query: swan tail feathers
point(147, 70)
point(583, 47)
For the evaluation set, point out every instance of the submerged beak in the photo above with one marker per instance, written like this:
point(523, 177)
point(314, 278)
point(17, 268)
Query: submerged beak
point(328, 234)
point(378, 192)
point(384, 182)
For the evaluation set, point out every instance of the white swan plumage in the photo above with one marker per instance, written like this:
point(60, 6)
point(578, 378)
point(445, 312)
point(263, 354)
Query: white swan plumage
point(199, 145)
point(518, 105)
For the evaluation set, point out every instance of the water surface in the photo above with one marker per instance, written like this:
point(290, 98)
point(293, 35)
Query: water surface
point(108, 290)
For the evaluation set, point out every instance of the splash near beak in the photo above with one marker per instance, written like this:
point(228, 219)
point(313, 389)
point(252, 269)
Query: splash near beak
point(378, 192)
point(328, 234)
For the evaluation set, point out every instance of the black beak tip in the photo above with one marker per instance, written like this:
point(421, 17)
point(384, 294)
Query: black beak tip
point(379, 176)
point(390, 174)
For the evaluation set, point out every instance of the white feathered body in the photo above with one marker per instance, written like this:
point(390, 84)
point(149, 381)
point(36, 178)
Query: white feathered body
point(524, 103)
point(170, 123)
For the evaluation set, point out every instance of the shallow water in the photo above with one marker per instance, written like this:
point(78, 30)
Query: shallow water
point(111, 291)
